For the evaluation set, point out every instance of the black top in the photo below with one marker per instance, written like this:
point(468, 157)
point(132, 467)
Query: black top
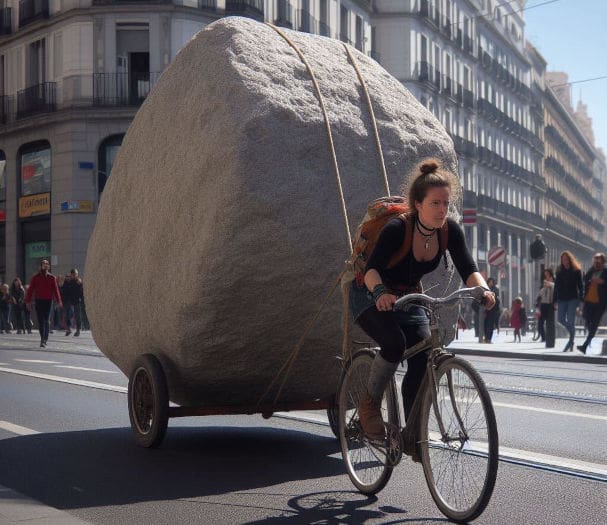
point(71, 291)
point(568, 285)
point(409, 271)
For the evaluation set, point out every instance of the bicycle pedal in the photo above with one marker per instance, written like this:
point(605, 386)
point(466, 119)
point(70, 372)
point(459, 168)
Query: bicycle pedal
point(394, 445)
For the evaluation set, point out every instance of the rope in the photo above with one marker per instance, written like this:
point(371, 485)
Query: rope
point(373, 120)
point(328, 128)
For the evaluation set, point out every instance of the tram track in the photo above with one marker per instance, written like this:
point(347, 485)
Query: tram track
point(539, 393)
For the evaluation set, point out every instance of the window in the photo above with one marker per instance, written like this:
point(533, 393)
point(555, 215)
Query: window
point(107, 155)
point(35, 168)
point(344, 32)
point(57, 56)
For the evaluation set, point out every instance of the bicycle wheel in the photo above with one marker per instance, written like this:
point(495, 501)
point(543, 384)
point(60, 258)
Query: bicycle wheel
point(366, 463)
point(461, 466)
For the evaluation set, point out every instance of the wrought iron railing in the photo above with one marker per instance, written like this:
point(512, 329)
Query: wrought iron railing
point(122, 89)
point(32, 10)
point(39, 98)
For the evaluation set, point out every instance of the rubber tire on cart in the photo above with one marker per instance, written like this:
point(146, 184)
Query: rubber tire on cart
point(333, 417)
point(148, 396)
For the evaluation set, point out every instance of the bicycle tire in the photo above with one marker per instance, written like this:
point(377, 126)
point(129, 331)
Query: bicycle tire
point(366, 470)
point(461, 473)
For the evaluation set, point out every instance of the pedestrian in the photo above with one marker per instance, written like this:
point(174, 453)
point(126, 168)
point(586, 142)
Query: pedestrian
point(372, 297)
point(491, 316)
point(546, 320)
point(43, 289)
point(568, 292)
point(595, 297)
point(5, 309)
point(72, 301)
point(17, 292)
point(518, 317)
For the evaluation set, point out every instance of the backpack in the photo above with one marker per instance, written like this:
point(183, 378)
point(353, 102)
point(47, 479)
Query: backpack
point(379, 213)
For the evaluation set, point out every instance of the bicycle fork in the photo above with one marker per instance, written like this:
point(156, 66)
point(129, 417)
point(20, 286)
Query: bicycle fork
point(432, 374)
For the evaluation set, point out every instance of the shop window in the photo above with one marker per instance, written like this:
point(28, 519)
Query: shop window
point(35, 168)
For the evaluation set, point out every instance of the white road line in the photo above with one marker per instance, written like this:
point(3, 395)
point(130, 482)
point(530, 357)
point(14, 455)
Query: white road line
point(38, 361)
point(549, 411)
point(17, 429)
point(87, 369)
point(78, 382)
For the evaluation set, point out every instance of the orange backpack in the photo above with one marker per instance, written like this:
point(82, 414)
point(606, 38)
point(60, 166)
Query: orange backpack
point(379, 213)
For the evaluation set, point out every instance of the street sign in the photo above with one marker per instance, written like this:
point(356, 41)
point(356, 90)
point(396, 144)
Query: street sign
point(469, 216)
point(496, 256)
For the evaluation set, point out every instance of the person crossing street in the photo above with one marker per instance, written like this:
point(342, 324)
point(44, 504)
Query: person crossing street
point(43, 289)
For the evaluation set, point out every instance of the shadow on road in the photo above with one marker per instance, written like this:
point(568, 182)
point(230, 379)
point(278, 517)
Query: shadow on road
point(104, 467)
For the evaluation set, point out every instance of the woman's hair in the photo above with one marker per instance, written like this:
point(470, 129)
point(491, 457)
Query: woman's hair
point(574, 262)
point(550, 271)
point(430, 174)
point(518, 300)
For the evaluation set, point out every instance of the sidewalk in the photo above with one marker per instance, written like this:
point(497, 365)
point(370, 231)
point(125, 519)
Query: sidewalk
point(502, 346)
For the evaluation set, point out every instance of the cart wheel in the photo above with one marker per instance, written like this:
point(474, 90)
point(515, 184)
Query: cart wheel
point(148, 401)
point(333, 417)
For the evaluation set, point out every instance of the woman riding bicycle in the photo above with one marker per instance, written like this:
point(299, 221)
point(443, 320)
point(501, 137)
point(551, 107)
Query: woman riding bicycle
point(372, 303)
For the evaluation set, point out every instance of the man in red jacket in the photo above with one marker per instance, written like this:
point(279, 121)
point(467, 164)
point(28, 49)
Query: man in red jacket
point(43, 288)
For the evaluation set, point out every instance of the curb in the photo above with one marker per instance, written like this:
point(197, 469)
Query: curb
point(576, 358)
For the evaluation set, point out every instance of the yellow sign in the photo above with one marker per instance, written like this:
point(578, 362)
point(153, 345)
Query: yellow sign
point(31, 205)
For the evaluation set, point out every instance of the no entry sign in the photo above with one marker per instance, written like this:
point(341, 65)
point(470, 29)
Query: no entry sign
point(496, 256)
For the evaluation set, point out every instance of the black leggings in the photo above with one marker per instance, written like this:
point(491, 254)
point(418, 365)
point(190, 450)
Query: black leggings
point(393, 338)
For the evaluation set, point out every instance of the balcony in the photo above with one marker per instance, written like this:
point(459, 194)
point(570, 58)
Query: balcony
point(36, 99)
point(32, 10)
point(249, 8)
point(324, 29)
point(122, 89)
point(423, 71)
point(284, 17)
point(6, 27)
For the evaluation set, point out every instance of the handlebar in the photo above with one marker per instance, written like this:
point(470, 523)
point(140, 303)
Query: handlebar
point(475, 293)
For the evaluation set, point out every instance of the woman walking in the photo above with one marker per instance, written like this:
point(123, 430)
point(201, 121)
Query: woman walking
point(547, 308)
point(18, 301)
point(568, 292)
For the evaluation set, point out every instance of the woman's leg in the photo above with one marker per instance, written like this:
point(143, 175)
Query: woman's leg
point(383, 328)
point(571, 308)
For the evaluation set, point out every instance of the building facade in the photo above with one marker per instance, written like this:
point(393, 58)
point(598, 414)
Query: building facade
point(72, 74)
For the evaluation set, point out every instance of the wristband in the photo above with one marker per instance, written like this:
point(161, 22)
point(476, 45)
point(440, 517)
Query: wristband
point(378, 291)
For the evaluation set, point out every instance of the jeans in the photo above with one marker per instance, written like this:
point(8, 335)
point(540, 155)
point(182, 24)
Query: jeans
point(43, 311)
point(567, 315)
point(72, 310)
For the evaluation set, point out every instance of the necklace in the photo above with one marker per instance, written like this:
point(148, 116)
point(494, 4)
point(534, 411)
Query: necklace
point(428, 236)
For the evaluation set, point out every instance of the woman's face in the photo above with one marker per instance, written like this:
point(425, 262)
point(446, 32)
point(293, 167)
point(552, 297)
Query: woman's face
point(565, 261)
point(433, 209)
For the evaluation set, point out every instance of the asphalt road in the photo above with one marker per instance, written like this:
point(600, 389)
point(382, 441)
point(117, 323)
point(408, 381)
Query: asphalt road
point(65, 441)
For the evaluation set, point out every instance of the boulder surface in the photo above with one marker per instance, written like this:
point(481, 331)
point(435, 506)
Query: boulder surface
point(220, 231)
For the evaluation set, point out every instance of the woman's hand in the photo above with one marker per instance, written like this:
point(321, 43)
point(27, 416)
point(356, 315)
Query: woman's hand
point(385, 302)
point(489, 298)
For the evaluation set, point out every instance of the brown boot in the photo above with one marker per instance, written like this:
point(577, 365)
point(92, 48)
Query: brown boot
point(369, 413)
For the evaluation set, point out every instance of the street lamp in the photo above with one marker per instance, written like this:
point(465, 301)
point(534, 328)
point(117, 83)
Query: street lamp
point(537, 250)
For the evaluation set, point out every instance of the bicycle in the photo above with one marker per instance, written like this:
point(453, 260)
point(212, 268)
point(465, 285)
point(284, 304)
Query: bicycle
point(452, 428)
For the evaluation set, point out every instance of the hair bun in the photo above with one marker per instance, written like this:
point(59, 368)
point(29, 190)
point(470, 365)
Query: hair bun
point(428, 167)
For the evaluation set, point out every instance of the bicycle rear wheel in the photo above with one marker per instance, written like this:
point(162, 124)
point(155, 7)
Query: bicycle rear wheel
point(367, 465)
point(461, 466)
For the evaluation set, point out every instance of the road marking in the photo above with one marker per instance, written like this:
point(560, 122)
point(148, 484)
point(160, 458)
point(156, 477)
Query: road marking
point(38, 361)
point(68, 380)
point(549, 411)
point(17, 429)
point(87, 369)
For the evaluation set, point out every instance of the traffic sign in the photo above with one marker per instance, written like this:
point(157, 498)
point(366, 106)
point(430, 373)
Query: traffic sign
point(496, 256)
point(469, 216)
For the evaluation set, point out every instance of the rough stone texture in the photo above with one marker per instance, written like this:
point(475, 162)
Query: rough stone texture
point(220, 231)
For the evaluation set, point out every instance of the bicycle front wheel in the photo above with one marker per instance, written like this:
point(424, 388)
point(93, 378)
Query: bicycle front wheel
point(366, 462)
point(460, 460)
